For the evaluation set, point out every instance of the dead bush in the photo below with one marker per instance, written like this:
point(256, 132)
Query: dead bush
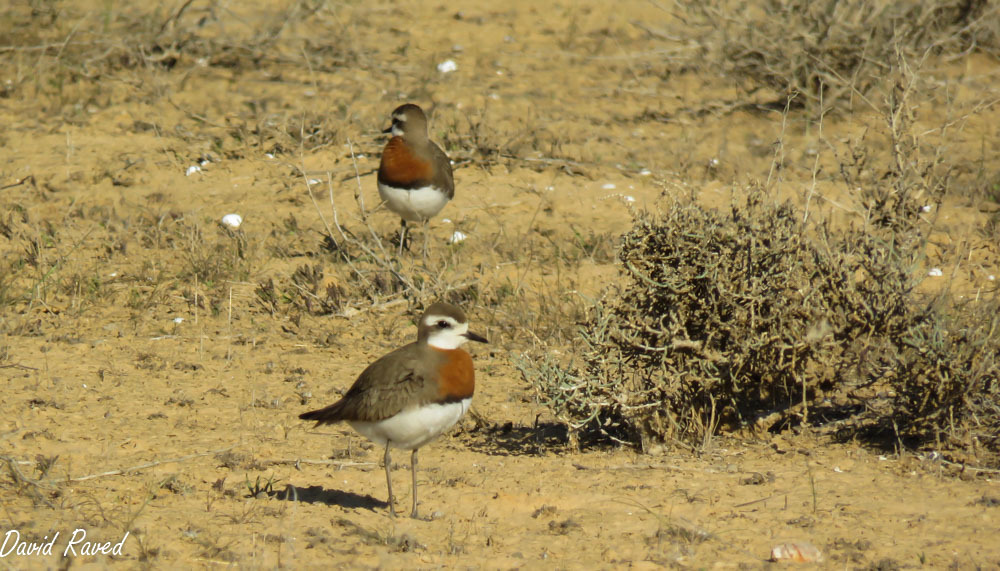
point(710, 329)
point(833, 50)
point(724, 319)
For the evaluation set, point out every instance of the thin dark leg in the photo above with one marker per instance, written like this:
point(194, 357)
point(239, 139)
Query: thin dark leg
point(413, 468)
point(402, 237)
point(425, 239)
point(388, 480)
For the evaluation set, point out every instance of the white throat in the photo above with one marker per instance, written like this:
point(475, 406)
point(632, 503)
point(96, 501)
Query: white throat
point(450, 338)
point(397, 125)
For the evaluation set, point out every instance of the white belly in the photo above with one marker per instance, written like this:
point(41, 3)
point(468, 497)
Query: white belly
point(412, 428)
point(415, 205)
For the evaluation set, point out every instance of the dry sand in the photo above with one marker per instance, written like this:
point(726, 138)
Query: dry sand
point(141, 366)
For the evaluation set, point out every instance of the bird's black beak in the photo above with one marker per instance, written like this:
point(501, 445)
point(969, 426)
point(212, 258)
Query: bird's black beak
point(387, 129)
point(474, 337)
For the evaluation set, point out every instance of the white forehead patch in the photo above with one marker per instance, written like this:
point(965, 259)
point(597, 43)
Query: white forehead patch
point(399, 117)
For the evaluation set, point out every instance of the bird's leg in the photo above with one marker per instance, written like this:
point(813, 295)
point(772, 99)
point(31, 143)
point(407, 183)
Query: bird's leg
point(425, 239)
point(413, 468)
point(388, 480)
point(402, 237)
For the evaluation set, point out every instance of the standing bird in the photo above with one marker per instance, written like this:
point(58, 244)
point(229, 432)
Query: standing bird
point(408, 397)
point(414, 177)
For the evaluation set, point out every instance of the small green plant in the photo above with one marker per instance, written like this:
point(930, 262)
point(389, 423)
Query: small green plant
point(260, 488)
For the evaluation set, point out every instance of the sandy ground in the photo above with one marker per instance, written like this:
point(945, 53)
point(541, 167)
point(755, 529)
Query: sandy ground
point(150, 388)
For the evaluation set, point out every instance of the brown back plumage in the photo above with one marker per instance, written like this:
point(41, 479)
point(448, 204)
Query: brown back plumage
point(413, 375)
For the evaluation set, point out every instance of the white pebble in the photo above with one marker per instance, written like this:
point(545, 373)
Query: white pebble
point(926, 208)
point(457, 237)
point(232, 220)
point(991, 277)
point(935, 272)
point(313, 181)
point(446, 220)
point(269, 155)
point(645, 172)
point(447, 66)
point(178, 320)
point(609, 186)
point(629, 198)
point(193, 169)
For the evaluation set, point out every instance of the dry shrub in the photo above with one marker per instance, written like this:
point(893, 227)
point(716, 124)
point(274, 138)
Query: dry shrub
point(724, 319)
point(947, 378)
point(711, 327)
point(833, 50)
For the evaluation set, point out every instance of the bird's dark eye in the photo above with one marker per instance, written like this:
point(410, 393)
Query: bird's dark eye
point(443, 324)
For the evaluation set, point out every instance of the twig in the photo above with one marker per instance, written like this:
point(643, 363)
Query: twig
point(177, 16)
point(30, 178)
point(337, 463)
point(964, 466)
point(579, 466)
point(18, 366)
point(359, 197)
point(151, 464)
point(351, 312)
point(656, 33)
point(546, 160)
point(757, 501)
point(20, 478)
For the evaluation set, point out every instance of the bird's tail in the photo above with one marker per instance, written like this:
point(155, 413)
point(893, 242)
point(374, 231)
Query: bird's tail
point(326, 415)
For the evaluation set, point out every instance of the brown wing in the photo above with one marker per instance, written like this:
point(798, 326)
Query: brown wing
point(445, 179)
point(381, 391)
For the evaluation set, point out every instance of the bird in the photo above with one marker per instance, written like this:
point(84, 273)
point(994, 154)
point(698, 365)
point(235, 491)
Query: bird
point(414, 175)
point(408, 397)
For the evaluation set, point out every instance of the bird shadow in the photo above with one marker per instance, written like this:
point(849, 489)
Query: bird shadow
point(321, 495)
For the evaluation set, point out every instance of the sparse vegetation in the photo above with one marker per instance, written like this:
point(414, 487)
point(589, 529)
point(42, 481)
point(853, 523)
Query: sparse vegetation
point(811, 163)
point(726, 318)
point(751, 317)
point(834, 53)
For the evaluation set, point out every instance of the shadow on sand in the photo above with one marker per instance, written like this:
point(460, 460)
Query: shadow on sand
point(321, 495)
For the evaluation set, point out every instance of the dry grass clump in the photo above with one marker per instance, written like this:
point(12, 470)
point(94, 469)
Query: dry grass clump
point(727, 318)
point(832, 51)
